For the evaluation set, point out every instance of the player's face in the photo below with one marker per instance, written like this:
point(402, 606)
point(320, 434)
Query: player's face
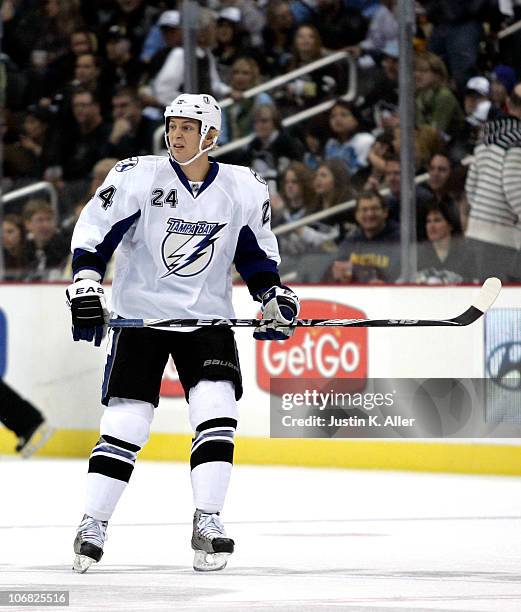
point(184, 138)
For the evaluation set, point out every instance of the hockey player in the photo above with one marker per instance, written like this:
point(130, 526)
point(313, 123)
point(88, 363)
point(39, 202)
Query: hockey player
point(24, 420)
point(181, 222)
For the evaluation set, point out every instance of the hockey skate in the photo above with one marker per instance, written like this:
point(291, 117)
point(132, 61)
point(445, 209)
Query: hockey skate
point(34, 440)
point(88, 544)
point(210, 543)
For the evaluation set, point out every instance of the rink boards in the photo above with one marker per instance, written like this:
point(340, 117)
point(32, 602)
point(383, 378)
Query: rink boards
point(63, 378)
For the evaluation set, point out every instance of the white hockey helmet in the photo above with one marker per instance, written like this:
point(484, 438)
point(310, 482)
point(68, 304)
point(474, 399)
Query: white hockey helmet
point(201, 107)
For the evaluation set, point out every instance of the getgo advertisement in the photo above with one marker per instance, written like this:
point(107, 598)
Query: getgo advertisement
point(316, 352)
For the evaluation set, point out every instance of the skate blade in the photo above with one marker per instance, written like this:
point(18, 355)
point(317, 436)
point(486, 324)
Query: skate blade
point(209, 562)
point(38, 439)
point(82, 563)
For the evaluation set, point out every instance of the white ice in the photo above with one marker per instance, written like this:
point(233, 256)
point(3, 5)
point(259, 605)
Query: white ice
point(306, 539)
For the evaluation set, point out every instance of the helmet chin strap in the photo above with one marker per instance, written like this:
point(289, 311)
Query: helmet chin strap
point(201, 151)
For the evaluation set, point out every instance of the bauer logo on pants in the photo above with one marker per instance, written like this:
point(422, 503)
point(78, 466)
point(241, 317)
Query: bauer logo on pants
point(330, 353)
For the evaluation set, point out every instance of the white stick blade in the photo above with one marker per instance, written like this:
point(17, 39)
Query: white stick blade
point(488, 294)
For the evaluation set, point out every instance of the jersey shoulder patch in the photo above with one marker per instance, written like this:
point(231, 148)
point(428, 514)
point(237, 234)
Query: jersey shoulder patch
point(126, 164)
point(257, 176)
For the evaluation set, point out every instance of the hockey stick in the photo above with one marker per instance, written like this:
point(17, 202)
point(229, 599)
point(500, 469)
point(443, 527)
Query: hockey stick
point(486, 297)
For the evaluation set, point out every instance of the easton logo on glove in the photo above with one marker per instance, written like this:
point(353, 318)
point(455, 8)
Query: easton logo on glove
point(86, 299)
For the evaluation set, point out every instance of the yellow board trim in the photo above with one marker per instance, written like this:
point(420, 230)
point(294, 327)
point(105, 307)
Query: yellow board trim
point(356, 454)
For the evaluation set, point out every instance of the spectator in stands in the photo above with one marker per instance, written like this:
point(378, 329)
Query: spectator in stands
point(381, 100)
point(134, 17)
point(427, 142)
point(477, 104)
point(87, 76)
point(87, 141)
point(46, 26)
point(494, 193)
point(440, 170)
point(314, 135)
point(272, 149)
point(253, 18)
point(47, 247)
point(237, 120)
point(443, 259)
point(14, 249)
point(156, 39)
point(82, 41)
point(436, 189)
point(349, 142)
point(277, 37)
point(169, 81)
point(371, 253)
point(503, 81)
point(478, 110)
point(307, 250)
point(132, 133)
point(436, 105)
point(36, 148)
point(121, 68)
point(392, 177)
point(230, 41)
point(296, 197)
point(378, 154)
point(456, 35)
point(332, 185)
point(295, 200)
point(318, 85)
point(170, 33)
point(382, 31)
point(424, 196)
point(339, 24)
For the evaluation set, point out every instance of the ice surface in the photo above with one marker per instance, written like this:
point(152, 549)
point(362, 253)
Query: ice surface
point(307, 539)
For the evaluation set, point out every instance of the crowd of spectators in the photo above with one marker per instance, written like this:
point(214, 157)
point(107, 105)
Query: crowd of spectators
point(87, 81)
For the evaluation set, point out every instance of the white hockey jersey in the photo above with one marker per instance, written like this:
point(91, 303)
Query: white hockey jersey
point(176, 248)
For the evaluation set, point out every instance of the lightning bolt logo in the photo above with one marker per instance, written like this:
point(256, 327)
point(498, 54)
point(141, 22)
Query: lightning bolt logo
point(182, 255)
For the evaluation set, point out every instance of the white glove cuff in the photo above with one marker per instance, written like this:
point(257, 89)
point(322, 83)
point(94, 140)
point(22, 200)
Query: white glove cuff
point(87, 274)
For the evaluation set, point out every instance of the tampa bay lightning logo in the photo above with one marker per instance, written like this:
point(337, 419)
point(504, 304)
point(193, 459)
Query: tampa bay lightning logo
point(188, 247)
point(126, 164)
point(504, 365)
